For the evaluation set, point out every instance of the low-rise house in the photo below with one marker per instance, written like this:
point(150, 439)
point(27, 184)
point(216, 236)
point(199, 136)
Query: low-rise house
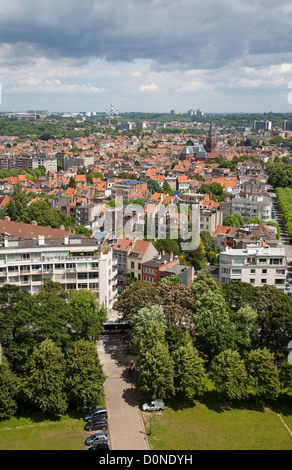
point(165, 265)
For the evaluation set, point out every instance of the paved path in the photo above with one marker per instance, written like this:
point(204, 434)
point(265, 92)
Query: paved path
point(126, 429)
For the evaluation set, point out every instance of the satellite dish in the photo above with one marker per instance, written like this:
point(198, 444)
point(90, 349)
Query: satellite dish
point(290, 345)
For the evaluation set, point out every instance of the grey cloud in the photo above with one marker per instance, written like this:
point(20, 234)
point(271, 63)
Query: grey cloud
point(185, 34)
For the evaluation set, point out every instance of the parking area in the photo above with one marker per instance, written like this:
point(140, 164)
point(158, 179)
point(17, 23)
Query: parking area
point(125, 425)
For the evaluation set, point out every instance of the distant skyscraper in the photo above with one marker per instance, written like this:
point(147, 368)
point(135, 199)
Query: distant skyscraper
point(262, 125)
point(287, 126)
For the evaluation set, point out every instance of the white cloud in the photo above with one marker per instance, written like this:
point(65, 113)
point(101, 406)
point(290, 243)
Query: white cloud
point(151, 87)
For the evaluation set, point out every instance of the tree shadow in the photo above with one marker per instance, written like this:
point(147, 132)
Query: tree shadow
point(118, 350)
point(283, 405)
point(37, 416)
point(130, 397)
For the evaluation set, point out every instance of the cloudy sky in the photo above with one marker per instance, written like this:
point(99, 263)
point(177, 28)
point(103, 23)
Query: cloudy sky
point(146, 55)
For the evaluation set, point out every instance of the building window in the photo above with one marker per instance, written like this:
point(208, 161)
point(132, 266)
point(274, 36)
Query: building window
point(236, 271)
point(276, 261)
point(132, 264)
point(264, 281)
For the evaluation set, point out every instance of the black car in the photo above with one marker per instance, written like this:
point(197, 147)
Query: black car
point(96, 413)
point(98, 438)
point(103, 446)
point(96, 424)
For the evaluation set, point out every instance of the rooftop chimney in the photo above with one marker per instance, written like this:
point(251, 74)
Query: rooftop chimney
point(41, 239)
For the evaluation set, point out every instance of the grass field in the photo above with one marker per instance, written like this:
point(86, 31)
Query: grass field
point(205, 426)
point(37, 433)
point(208, 427)
point(204, 429)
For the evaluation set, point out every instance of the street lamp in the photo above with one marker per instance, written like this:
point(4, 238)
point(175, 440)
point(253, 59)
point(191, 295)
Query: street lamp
point(150, 425)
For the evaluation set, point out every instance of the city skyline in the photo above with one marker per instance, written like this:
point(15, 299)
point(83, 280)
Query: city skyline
point(146, 56)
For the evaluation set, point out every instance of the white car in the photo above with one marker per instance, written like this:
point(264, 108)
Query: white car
point(155, 405)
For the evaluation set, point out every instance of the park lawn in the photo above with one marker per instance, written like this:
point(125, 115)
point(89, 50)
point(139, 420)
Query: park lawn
point(204, 428)
point(65, 433)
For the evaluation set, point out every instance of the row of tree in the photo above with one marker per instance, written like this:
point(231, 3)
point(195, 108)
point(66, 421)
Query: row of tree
point(192, 336)
point(284, 198)
point(49, 358)
point(235, 315)
point(180, 371)
point(52, 380)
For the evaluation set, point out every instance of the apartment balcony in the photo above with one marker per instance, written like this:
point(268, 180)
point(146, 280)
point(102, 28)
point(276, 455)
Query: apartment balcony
point(114, 273)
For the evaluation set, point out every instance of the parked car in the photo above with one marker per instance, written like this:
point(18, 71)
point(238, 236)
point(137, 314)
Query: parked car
point(287, 286)
point(154, 405)
point(96, 413)
point(96, 424)
point(98, 438)
point(103, 446)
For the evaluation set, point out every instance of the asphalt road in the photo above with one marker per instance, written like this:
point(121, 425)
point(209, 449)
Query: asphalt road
point(125, 425)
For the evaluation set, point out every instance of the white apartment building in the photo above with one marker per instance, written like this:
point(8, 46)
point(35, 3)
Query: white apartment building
point(255, 264)
point(74, 262)
point(253, 205)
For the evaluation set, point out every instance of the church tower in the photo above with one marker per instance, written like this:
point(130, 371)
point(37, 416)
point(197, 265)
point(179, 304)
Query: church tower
point(210, 140)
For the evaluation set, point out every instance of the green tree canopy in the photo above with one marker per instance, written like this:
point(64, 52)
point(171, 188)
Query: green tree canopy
point(167, 244)
point(143, 319)
point(189, 373)
point(17, 206)
point(177, 301)
point(153, 185)
point(213, 325)
point(157, 372)
point(136, 296)
point(233, 220)
point(86, 316)
point(197, 257)
point(8, 389)
point(263, 375)
point(84, 376)
point(43, 382)
point(229, 375)
point(215, 190)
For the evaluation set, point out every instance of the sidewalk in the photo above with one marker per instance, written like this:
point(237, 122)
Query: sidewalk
point(125, 424)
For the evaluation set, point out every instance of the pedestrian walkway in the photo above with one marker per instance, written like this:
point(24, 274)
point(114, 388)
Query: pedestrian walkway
point(125, 424)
